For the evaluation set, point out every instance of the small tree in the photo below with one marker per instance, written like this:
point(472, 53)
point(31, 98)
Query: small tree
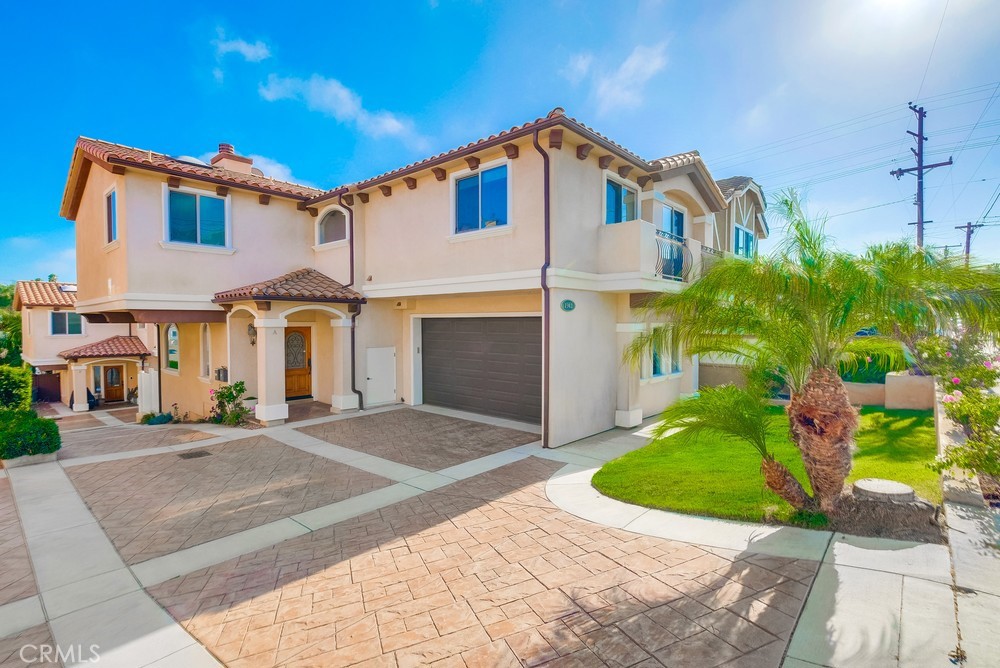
point(10, 338)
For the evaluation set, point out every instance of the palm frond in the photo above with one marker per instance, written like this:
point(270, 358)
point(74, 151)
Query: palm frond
point(733, 413)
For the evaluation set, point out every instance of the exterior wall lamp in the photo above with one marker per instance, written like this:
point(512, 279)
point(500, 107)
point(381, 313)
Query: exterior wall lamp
point(252, 334)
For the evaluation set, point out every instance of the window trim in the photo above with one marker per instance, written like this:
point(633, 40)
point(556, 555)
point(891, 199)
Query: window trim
point(204, 350)
point(83, 327)
point(166, 368)
point(166, 242)
point(627, 183)
point(318, 245)
point(108, 239)
point(453, 179)
point(753, 237)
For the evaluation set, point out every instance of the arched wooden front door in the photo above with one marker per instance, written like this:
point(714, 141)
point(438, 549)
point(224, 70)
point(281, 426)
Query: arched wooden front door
point(298, 363)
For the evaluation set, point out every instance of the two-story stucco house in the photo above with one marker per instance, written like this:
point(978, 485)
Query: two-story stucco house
point(62, 346)
point(501, 277)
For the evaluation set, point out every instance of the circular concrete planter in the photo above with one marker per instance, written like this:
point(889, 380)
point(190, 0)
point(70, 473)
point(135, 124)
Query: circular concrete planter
point(28, 460)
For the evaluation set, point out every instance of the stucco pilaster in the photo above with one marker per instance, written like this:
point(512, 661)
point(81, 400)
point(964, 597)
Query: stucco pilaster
point(271, 408)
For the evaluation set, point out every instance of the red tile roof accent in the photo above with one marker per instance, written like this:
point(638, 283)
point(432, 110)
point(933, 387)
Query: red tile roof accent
point(306, 285)
point(143, 159)
point(555, 117)
point(677, 160)
point(116, 346)
point(45, 293)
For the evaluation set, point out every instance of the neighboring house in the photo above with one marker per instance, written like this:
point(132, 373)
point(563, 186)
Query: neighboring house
point(71, 355)
point(502, 277)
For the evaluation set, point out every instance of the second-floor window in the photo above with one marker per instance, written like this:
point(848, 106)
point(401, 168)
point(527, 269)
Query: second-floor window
point(332, 228)
point(481, 200)
point(193, 218)
point(743, 242)
point(66, 322)
point(620, 203)
point(111, 215)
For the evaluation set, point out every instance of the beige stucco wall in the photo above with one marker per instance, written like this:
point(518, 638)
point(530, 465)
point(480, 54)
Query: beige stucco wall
point(101, 267)
point(268, 240)
point(911, 392)
point(584, 365)
point(183, 385)
point(409, 235)
point(40, 347)
point(713, 375)
point(866, 394)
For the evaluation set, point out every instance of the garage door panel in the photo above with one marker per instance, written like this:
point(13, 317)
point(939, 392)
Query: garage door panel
point(484, 365)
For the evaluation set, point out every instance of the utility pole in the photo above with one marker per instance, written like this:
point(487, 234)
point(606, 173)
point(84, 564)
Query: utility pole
point(969, 229)
point(919, 170)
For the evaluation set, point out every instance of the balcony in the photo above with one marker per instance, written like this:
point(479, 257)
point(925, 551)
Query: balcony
point(638, 248)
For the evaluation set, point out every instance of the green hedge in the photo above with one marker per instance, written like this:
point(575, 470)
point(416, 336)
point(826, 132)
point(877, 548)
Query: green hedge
point(24, 433)
point(15, 388)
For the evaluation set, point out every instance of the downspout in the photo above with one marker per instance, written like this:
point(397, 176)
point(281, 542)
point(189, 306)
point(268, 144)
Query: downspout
point(159, 371)
point(546, 297)
point(354, 316)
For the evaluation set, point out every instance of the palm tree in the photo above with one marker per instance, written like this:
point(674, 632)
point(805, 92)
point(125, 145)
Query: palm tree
point(736, 414)
point(797, 311)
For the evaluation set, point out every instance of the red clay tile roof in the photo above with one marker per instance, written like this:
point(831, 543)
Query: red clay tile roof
point(116, 346)
point(306, 285)
point(555, 117)
point(677, 160)
point(44, 293)
point(126, 155)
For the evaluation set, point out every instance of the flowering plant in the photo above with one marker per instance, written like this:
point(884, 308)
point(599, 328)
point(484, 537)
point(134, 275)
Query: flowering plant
point(229, 408)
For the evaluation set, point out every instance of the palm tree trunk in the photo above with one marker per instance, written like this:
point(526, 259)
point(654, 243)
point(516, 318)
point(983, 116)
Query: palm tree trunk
point(781, 481)
point(823, 423)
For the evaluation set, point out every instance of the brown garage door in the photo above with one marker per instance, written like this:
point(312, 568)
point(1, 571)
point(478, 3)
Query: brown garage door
point(491, 366)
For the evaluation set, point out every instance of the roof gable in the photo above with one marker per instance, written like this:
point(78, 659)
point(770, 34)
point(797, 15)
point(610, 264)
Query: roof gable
point(29, 294)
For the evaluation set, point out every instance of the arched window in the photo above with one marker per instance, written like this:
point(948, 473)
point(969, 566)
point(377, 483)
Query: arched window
point(206, 351)
point(333, 227)
point(173, 347)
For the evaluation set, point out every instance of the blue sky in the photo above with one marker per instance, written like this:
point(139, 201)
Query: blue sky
point(793, 93)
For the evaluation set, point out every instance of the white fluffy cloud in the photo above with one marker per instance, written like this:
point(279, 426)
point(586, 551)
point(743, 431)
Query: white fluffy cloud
point(331, 97)
point(252, 53)
point(578, 67)
point(625, 86)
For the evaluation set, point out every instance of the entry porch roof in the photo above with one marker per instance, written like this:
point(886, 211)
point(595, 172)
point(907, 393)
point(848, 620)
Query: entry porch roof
point(302, 285)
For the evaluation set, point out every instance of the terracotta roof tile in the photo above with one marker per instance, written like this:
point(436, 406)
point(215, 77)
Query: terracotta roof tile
point(116, 346)
point(733, 184)
point(126, 155)
point(45, 293)
point(301, 285)
point(678, 160)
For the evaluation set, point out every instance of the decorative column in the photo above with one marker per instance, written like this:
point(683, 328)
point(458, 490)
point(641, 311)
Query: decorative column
point(271, 408)
point(343, 398)
point(149, 398)
point(628, 412)
point(79, 372)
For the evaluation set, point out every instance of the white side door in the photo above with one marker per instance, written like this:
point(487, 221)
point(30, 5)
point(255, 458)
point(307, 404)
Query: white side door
point(381, 376)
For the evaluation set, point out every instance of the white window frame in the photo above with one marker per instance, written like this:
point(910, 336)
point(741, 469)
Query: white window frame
point(227, 249)
point(631, 185)
point(671, 204)
point(321, 246)
point(204, 352)
point(83, 326)
point(453, 179)
point(166, 350)
point(753, 238)
point(110, 243)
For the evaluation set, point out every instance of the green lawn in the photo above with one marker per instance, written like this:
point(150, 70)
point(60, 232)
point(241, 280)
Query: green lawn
point(721, 478)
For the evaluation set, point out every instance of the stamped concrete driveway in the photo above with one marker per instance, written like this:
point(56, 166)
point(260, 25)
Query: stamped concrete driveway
point(396, 538)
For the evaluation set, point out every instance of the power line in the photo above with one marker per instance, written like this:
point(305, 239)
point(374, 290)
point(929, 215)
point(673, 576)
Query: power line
point(933, 46)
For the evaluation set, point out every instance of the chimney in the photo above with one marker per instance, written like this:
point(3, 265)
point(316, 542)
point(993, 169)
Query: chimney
point(227, 159)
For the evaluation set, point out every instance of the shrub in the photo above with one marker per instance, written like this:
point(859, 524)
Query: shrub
point(24, 433)
point(229, 408)
point(15, 388)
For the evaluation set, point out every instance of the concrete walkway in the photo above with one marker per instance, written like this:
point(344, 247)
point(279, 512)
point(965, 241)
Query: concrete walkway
point(874, 602)
point(87, 594)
